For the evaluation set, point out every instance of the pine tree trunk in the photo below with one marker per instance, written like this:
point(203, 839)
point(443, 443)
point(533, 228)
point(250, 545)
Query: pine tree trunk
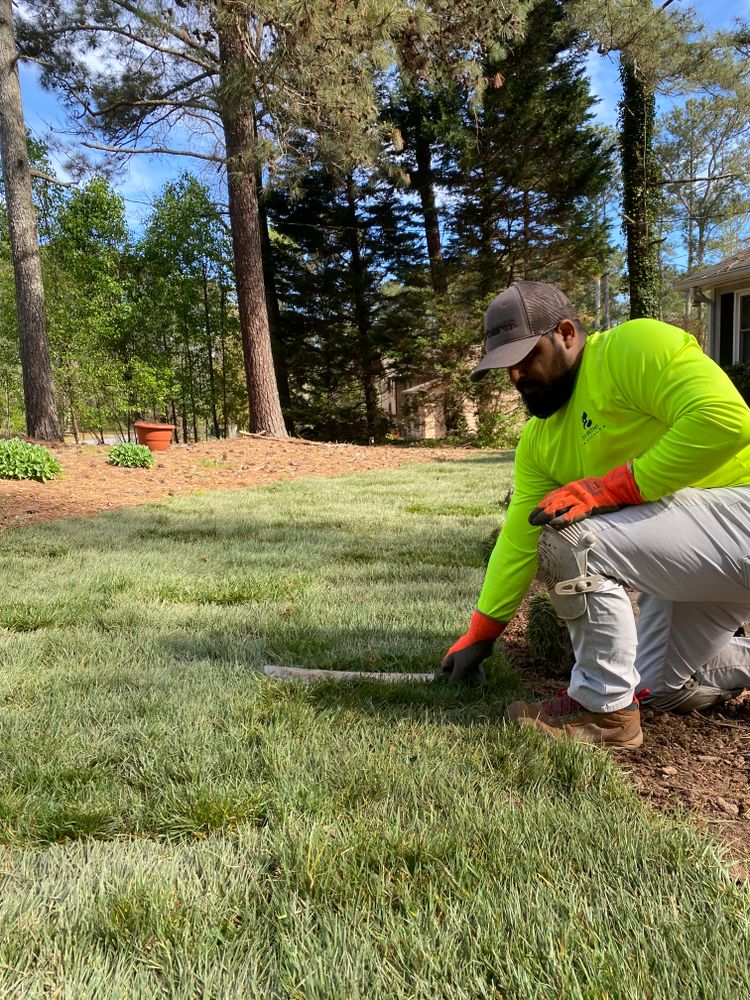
point(426, 187)
point(210, 357)
point(605, 324)
point(236, 110)
point(191, 376)
point(597, 301)
point(223, 340)
point(637, 117)
point(278, 347)
point(487, 262)
point(526, 236)
point(73, 419)
point(368, 363)
point(41, 417)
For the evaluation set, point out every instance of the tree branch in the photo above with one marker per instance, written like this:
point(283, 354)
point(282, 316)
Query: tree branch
point(154, 150)
point(621, 46)
point(51, 180)
point(155, 103)
point(113, 29)
point(166, 98)
point(695, 180)
point(640, 29)
point(180, 34)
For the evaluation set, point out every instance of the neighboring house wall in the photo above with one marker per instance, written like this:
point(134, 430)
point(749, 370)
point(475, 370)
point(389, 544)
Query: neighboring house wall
point(725, 288)
point(729, 332)
point(418, 410)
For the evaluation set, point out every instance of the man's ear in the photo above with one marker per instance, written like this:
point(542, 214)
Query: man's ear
point(568, 331)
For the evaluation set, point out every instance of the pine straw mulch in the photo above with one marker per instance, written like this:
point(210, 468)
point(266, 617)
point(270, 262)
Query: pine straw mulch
point(699, 764)
point(89, 486)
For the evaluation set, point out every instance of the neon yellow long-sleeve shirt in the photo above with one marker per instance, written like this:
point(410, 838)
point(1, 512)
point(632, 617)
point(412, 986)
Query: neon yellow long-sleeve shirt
point(644, 391)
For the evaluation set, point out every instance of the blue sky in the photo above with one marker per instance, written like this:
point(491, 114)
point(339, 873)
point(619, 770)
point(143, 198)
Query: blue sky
point(144, 176)
point(141, 178)
point(715, 14)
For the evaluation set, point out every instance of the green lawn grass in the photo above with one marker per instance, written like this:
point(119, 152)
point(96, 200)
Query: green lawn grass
point(173, 824)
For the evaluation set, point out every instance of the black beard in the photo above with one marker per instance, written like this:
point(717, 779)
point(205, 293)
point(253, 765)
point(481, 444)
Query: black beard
point(549, 398)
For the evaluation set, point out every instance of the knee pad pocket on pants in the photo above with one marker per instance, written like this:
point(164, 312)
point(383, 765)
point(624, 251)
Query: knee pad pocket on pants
point(563, 568)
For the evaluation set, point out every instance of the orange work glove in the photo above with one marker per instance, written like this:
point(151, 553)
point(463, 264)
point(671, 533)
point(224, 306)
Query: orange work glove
point(578, 500)
point(463, 661)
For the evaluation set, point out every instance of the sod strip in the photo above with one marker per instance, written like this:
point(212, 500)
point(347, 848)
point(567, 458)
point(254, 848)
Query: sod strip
point(306, 675)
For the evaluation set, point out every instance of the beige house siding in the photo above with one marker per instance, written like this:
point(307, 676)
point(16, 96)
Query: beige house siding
point(418, 409)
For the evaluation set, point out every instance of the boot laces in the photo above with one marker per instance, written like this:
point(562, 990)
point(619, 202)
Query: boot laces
point(562, 704)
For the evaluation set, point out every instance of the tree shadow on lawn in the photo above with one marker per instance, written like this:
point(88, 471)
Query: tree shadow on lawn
point(126, 529)
point(492, 459)
point(366, 651)
point(361, 564)
point(417, 701)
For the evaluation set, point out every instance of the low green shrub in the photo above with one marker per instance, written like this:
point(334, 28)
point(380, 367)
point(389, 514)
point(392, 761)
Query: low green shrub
point(740, 375)
point(498, 429)
point(22, 460)
point(131, 456)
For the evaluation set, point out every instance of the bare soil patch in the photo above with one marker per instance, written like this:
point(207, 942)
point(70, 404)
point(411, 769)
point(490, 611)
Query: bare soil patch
point(699, 764)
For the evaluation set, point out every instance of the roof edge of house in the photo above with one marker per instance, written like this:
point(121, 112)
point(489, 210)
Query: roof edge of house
point(705, 279)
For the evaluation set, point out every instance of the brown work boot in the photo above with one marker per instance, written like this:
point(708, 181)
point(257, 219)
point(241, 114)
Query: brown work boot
point(564, 718)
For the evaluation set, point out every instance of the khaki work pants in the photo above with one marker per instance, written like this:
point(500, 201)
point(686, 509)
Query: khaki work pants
point(688, 556)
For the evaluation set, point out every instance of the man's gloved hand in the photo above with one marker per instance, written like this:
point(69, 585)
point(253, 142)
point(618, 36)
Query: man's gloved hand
point(584, 497)
point(462, 663)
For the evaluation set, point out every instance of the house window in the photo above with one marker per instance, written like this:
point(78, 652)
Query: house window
point(733, 346)
point(726, 329)
point(743, 338)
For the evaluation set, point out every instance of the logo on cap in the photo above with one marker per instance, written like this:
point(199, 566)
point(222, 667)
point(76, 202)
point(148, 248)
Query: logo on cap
point(505, 327)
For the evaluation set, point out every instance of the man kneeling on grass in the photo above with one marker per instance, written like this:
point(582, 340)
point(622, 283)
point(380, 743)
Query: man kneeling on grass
point(634, 471)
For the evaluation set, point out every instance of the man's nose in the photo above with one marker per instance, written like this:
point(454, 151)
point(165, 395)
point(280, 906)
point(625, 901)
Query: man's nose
point(514, 373)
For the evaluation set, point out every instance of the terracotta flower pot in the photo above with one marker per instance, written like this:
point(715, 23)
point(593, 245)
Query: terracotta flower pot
point(155, 436)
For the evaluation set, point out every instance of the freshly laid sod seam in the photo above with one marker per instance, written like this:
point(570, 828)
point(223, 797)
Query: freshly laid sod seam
point(175, 824)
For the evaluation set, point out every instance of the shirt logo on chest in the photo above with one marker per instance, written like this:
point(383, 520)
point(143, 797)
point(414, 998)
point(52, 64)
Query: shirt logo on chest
point(589, 428)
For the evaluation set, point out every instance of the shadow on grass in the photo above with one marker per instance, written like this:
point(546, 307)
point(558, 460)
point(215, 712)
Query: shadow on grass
point(467, 706)
point(370, 650)
point(500, 459)
point(288, 563)
point(119, 531)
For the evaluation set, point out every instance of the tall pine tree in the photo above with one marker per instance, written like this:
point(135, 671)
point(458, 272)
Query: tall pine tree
point(250, 74)
point(530, 164)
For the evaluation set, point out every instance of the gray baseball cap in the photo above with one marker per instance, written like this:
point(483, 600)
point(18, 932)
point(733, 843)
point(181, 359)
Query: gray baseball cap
point(516, 319)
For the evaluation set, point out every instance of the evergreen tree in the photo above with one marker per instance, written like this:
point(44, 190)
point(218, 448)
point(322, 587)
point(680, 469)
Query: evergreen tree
point(531, 165)
point(48, 196)
point(439, 53)
point(639, 187)
point(344, 248)
point(416, 113)
point(255, 73)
